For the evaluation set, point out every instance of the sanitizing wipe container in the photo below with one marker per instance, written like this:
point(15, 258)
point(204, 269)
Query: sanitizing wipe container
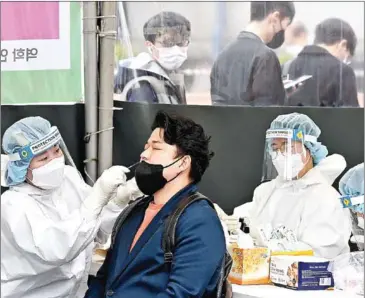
point(301, 272)
point(250, 266)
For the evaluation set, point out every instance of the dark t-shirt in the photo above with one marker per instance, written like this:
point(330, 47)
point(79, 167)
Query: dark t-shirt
point(247, 72)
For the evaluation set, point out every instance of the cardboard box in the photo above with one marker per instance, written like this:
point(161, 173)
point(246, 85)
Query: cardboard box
point(250, 266)
point(300, 272)
point(293, 253)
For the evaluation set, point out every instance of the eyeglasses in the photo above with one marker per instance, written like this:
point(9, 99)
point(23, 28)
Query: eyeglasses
point(284, 149)
point(171, 40)
point(170, 44)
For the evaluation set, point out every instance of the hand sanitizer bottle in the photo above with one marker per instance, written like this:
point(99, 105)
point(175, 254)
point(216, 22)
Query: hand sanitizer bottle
point(244, 238)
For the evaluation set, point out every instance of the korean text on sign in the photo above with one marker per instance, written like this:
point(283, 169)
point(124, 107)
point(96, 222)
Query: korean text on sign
point(19, 54)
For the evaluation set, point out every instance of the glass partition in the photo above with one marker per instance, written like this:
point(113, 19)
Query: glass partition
point(237, 53)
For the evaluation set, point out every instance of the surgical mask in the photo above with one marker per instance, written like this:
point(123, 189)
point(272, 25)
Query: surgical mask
point(172, 58)
point(277, 40)
point(149, 177)
point(49, 176)
point(288, 168)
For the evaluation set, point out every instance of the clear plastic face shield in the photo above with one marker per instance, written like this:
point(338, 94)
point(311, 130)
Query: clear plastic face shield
point(29, 150)
point(356, 206)
point(348, 273)
point(285, 154)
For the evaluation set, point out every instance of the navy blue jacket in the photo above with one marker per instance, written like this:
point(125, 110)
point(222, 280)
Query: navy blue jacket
point(142, 273)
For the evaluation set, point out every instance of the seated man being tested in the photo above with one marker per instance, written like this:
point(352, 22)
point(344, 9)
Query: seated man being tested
point(173, 162)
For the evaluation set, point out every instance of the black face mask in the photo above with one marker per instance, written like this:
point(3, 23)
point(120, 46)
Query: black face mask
point(277, 41)
point(149, 177)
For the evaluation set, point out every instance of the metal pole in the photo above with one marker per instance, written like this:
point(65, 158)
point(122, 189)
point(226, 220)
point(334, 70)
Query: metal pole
point(90, 87)
point(220, 28)
point(108, 31)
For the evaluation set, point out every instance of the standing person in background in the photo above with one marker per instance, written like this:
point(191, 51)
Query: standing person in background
point(167, 37)
point(296, 38)
point(333, 81)
point(248, 72)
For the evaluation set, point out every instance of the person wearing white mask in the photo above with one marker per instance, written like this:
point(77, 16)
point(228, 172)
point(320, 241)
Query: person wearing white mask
point(296, 193)
point(351, 187)
point(50, 218)
point(167, 37)
point(330, 167)
point(296, 38)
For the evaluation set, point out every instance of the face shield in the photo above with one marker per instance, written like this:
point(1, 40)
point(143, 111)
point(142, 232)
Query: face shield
point(348, 273)
point(356, 206)
point(31, 149)
point(285, 154)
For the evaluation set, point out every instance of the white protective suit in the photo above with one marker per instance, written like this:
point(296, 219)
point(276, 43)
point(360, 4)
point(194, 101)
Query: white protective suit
point(46, 244)
point(309, 206)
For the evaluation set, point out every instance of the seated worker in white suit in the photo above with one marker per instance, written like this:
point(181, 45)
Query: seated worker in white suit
point(351, 187)
point(50, 217)
point(331, 167)
point(299, 195)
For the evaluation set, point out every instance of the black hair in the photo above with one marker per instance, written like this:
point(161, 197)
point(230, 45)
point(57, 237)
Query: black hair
point(163, 23)
point(334, 30)
point(189, 138)
point(261, 9)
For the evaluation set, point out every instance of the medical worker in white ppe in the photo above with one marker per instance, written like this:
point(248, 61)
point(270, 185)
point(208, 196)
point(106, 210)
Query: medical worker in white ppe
point(352, 190)
point(49, 217)
point(298, 195)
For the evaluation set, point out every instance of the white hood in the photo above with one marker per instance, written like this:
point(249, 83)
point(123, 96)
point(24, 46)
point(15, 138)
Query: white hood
point(331, 167)
point(327, 170)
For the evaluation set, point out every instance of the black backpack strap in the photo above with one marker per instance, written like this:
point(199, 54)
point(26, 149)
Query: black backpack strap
point(168, 239)
point(223, 289)
point(124, 214)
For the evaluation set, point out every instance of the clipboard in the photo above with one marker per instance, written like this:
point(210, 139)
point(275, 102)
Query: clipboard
point(292, 83)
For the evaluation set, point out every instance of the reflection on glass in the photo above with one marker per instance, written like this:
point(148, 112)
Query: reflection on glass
point(153, 76)
point(333, 81)
point(248, 72)
point(241, 53)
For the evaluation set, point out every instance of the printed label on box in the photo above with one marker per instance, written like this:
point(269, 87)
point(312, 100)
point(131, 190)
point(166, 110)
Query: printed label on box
point(305, 273)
